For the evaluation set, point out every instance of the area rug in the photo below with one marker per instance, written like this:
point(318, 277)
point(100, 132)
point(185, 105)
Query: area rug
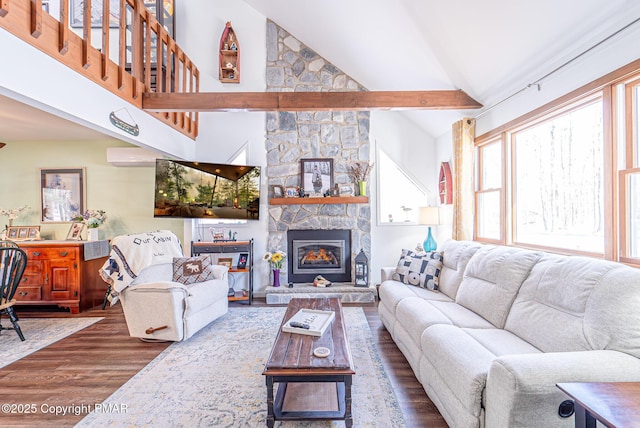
point(214, 379)
point(39, 333)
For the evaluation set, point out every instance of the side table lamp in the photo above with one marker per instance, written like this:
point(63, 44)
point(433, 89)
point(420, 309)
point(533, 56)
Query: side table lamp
point(429, 216)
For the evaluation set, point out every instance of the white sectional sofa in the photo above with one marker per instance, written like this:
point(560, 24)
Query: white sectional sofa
point(507, 324)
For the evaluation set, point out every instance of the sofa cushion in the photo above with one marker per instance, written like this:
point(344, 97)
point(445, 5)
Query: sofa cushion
point(462, 358)
point(188, 270)
point(419, 269)
point(455, 256)
point(416, 315)
point(492, 280)
point(572, 303)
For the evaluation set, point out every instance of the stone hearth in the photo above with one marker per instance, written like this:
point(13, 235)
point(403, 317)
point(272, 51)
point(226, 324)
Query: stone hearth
point(347, 293)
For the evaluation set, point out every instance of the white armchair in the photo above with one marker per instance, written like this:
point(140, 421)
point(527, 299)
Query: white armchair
point(164, 295)
point(156, 307)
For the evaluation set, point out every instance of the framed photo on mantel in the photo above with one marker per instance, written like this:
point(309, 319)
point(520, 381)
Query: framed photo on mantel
point(316, 175)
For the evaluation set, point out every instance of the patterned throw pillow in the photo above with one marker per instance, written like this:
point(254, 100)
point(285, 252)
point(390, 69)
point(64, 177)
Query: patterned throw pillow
point(419, 269)
point(187, 270)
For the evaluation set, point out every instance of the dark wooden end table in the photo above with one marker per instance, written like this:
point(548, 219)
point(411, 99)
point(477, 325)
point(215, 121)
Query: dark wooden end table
point(309, 387)
point(614, 404)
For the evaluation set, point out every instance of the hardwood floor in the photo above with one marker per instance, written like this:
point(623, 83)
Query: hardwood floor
point(88, 366)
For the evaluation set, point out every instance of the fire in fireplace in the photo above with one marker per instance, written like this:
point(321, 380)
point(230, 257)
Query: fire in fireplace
point(319, 252)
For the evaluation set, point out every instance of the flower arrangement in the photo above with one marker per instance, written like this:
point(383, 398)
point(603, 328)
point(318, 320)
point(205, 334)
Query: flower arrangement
point(275, 259)
point(13, 214)
point(92, 218)
point(360, 171)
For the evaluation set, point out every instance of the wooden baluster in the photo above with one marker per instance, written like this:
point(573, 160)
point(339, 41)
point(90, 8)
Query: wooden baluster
point(4, 7)
point(147, 51)
point(36, 18)
point(86, 33)
point(160, 70)
point(184, 85)
point(136, 48)
point(171, 74)
point(63, 28)
point(197, 74)
point(106, 14)
point(122, 45)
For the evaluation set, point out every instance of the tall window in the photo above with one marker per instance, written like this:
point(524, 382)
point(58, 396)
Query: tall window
point(558, 181)
point(569, 175)
point(629, 169)
point(399, 196)
point(489, 191)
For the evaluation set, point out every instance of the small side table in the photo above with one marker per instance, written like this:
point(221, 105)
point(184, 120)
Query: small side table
point(614, 404)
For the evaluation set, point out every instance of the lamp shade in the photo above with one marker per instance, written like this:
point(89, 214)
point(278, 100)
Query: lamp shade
point(429, 215)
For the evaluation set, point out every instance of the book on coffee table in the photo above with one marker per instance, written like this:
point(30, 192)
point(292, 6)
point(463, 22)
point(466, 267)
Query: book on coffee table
point(317, 322)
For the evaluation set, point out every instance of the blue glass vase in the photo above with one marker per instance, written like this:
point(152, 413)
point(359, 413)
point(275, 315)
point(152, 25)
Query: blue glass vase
point(429, 244)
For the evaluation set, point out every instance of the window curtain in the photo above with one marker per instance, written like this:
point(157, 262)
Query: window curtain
point(463, 179)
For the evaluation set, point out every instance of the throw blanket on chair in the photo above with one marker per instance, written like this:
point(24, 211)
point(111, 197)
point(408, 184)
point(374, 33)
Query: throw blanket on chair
point(130, 254)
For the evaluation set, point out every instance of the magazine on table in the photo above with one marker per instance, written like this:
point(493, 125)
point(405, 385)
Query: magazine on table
point(312, 322)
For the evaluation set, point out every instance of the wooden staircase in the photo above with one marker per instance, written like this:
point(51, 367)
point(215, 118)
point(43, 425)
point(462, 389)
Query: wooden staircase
point(130, 71)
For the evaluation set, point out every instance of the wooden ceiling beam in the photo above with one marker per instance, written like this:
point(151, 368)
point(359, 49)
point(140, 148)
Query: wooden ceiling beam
point(308, 101)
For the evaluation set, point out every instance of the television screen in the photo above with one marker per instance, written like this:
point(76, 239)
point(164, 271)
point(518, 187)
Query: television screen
point(206, 190)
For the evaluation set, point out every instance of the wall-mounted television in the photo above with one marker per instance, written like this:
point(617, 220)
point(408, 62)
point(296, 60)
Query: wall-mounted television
point(206, 190)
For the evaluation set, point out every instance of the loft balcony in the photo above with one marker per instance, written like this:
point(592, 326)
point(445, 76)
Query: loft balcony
point(128, 54)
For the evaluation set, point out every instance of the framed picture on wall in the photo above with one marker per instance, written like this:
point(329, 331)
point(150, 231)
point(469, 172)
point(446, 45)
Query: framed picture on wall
point(62, 194)
point(316, 175)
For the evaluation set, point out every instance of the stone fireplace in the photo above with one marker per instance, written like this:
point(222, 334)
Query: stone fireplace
point(342, 136)
point(319, 252)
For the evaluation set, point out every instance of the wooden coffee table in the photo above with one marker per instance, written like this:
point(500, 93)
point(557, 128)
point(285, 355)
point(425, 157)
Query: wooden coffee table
point(310, 388)
point(613, 404)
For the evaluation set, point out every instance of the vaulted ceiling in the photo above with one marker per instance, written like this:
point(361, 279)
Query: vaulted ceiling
point(489, 49)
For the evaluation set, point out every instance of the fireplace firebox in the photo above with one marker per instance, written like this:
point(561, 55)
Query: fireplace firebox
point(319, 252)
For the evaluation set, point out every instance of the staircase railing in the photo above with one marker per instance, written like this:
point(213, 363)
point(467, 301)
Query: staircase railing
point(128, 54)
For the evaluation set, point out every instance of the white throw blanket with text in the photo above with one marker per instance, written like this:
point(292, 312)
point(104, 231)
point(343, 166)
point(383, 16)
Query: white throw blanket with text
point(130, 254)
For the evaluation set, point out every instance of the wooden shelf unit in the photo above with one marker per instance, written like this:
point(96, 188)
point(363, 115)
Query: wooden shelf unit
point(445, 184)
point(229, 58)
point(227, 247)
point(320, 201)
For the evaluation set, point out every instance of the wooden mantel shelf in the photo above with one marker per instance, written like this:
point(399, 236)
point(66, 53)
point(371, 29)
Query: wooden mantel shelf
point(320, 201)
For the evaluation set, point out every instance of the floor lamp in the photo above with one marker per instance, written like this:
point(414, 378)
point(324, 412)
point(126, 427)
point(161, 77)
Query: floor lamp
point(429, 216)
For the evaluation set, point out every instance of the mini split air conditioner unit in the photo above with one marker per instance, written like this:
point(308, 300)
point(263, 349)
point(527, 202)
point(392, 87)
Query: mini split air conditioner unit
point(131, 156)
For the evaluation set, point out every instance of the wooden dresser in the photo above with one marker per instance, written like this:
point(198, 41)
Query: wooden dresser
point(58, 274)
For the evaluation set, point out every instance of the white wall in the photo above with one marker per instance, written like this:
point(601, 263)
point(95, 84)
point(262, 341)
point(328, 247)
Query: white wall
point(609, 56)
point(415, 151)
point(221, 135)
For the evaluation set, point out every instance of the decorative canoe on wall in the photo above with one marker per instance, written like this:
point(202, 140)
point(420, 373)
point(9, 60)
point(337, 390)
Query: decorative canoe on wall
point(445, 184)
point(229, 56)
